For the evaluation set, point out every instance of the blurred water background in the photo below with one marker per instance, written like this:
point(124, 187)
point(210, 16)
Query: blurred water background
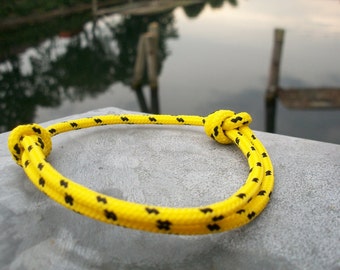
point(212, 55)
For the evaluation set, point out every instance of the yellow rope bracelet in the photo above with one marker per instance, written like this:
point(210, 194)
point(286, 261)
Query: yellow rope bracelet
point(31, 144)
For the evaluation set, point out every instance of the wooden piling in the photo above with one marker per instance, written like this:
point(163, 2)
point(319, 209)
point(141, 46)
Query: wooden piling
point(139, 73)
point(273, 82)
point(152, 66)
point(140, 63)
point(147, 56)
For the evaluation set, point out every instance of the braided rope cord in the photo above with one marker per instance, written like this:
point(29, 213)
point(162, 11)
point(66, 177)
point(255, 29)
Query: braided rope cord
point(31, 144)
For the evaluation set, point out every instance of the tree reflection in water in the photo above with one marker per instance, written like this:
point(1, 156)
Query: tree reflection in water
point(102, 54)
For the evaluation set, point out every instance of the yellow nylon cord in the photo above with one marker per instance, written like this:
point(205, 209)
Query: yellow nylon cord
point(31, 144)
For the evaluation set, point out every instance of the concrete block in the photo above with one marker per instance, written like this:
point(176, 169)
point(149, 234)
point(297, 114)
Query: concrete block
point(177, 167)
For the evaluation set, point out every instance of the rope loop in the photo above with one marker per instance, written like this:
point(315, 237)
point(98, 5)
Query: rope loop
point(31, 144)
point(217, 124)
point(41, 136)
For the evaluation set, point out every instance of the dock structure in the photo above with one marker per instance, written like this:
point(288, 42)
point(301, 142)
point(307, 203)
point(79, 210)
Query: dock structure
point(141, 7)
point(293, 97)
point(99, 8)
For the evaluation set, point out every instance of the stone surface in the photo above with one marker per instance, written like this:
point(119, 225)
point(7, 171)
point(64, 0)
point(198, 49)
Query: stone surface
point(172, 166)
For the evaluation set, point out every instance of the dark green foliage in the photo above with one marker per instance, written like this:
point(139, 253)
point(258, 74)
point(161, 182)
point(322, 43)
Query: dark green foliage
point(24, 7)
point(83, 70)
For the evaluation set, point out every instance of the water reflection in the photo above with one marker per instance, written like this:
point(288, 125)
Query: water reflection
point(84, 65)
point(218, 59)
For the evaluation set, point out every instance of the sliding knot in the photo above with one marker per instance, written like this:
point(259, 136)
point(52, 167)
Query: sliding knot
point(218, 123)
point(41, 137)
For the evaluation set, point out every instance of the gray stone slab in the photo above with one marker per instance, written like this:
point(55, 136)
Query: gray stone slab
point(172, 166)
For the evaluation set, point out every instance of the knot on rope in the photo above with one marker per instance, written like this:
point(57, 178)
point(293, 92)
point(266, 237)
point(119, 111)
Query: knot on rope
point(218, 123)
point(41, 137)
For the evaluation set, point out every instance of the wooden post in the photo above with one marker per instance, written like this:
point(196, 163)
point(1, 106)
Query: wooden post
point(147, 55)
point(151, 59)
point(273, 82)
point(152, 65)
point(154, 29)
point(140, 63)
point(139, 72)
